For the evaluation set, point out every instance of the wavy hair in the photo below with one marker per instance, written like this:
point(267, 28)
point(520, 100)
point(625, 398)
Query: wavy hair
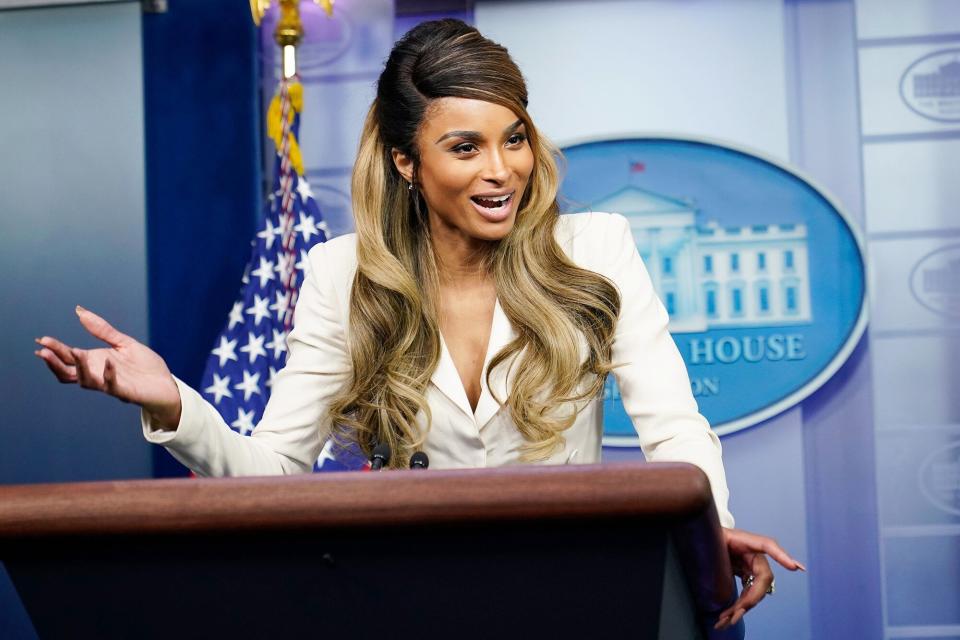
point(564, 315)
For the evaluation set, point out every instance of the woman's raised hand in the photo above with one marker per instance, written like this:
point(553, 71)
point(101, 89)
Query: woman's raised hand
point(124, 369)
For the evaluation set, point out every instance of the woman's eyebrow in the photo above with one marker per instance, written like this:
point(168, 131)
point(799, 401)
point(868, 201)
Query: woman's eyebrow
point(474, 136)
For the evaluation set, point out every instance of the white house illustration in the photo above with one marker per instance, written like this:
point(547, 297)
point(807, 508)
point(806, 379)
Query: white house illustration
point(942, 83)
point(710, 276)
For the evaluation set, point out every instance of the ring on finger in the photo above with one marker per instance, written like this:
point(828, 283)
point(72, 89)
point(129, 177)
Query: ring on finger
point(772, 588)
point(748, 581)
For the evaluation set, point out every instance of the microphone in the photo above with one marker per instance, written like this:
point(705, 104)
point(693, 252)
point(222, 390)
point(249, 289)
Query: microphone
point(380, 457)
point(419, 460)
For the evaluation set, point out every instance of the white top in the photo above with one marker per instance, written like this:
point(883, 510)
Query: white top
point(653, 381)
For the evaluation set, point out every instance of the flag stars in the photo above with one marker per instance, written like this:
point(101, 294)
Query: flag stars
point(264, 272)
point(249, 386)
point(259, 310)
point(281, 305)
point(249, 366)
point(278, 344)
point(269, 233)
point(254, 347)
point(283, 267)
point(326, 454)
point(304, 263)
point(225, 350)
point(307, 227)
point(284, 221)
point(244, 421)
point(219, 389)
point(236, 315)
point(303, 188)
point(273, 374)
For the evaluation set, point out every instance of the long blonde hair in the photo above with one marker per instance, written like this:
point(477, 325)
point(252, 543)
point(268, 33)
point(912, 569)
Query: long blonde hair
point(394, 328)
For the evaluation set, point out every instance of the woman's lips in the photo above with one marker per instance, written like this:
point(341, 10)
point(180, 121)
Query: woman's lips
point(497, 214)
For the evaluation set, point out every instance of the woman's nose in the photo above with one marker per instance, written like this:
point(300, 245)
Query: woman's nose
point(496, 169)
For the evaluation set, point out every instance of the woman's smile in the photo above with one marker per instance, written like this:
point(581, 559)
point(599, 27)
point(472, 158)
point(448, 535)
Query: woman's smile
point(495, 208)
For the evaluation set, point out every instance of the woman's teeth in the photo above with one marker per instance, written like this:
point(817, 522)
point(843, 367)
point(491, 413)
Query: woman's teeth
point(492, 203)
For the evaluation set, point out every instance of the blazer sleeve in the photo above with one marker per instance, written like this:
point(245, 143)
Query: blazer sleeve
point(295, 423)
point(653, 379)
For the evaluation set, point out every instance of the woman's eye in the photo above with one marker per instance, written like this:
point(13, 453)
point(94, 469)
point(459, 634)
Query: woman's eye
point(517, 138)
point(466, 147)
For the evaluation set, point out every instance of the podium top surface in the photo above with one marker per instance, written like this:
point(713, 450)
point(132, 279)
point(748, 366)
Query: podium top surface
point(652, 491)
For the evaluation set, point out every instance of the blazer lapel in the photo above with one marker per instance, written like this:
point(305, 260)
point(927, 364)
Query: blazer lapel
point(447, 380)
point(501, 333)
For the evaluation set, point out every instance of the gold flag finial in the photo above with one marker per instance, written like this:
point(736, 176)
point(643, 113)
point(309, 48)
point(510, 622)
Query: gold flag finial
point(259, 7)
point(327, 6)
point(289, 29)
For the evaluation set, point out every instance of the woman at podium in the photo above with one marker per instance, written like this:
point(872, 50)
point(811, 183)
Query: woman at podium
point(465, 318)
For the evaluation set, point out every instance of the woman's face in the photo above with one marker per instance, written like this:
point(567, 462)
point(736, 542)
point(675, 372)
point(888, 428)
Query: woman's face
point(475, 162)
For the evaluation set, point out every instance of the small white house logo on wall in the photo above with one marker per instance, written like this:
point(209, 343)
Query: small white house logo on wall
point(931, 86)
point(935, 281)
point(760, 272)
point(940, 478)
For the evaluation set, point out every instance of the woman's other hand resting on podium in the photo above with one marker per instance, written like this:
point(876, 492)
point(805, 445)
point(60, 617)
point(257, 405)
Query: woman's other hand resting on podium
point(748, 558)
point(125, 369)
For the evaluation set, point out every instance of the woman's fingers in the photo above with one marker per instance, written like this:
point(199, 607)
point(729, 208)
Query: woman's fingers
point(753, 592)
point(64, 373)
point(88, 374)
point(110, 383)
point(775, 551)
point(748, 559)
point(61, 350)
point(100, 328)
point(744, 541)
point(83, 375)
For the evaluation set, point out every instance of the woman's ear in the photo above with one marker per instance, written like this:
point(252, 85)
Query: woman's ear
point(403, 163)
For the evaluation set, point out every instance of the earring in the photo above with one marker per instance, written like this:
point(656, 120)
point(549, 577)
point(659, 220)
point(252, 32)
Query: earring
point(409, 186)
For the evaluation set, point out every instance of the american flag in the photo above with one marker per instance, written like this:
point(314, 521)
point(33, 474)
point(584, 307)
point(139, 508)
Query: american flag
point(252, 347)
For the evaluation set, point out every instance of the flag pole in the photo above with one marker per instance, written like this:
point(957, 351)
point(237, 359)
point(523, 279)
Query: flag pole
point(288, 34)
point(292, 225)
point(289, 30)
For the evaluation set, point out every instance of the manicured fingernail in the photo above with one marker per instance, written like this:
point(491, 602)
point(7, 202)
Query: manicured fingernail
point(801, 567)
point(79, 309)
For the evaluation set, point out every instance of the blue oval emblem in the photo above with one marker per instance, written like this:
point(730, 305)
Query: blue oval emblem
point(934, 281)
point(760, 271)
point(930, 86)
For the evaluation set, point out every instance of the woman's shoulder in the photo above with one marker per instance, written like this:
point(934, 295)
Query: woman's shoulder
point(335, 261)
point(591, 239)
point(337, 250)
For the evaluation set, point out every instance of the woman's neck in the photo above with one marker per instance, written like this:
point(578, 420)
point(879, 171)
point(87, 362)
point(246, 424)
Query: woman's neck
point(461, 260)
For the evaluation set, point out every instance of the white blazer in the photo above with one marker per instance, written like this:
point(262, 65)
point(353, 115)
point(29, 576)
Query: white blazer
point(653, 380)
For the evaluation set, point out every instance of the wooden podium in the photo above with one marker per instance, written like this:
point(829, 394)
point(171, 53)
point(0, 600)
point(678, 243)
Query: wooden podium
point(631, 550)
